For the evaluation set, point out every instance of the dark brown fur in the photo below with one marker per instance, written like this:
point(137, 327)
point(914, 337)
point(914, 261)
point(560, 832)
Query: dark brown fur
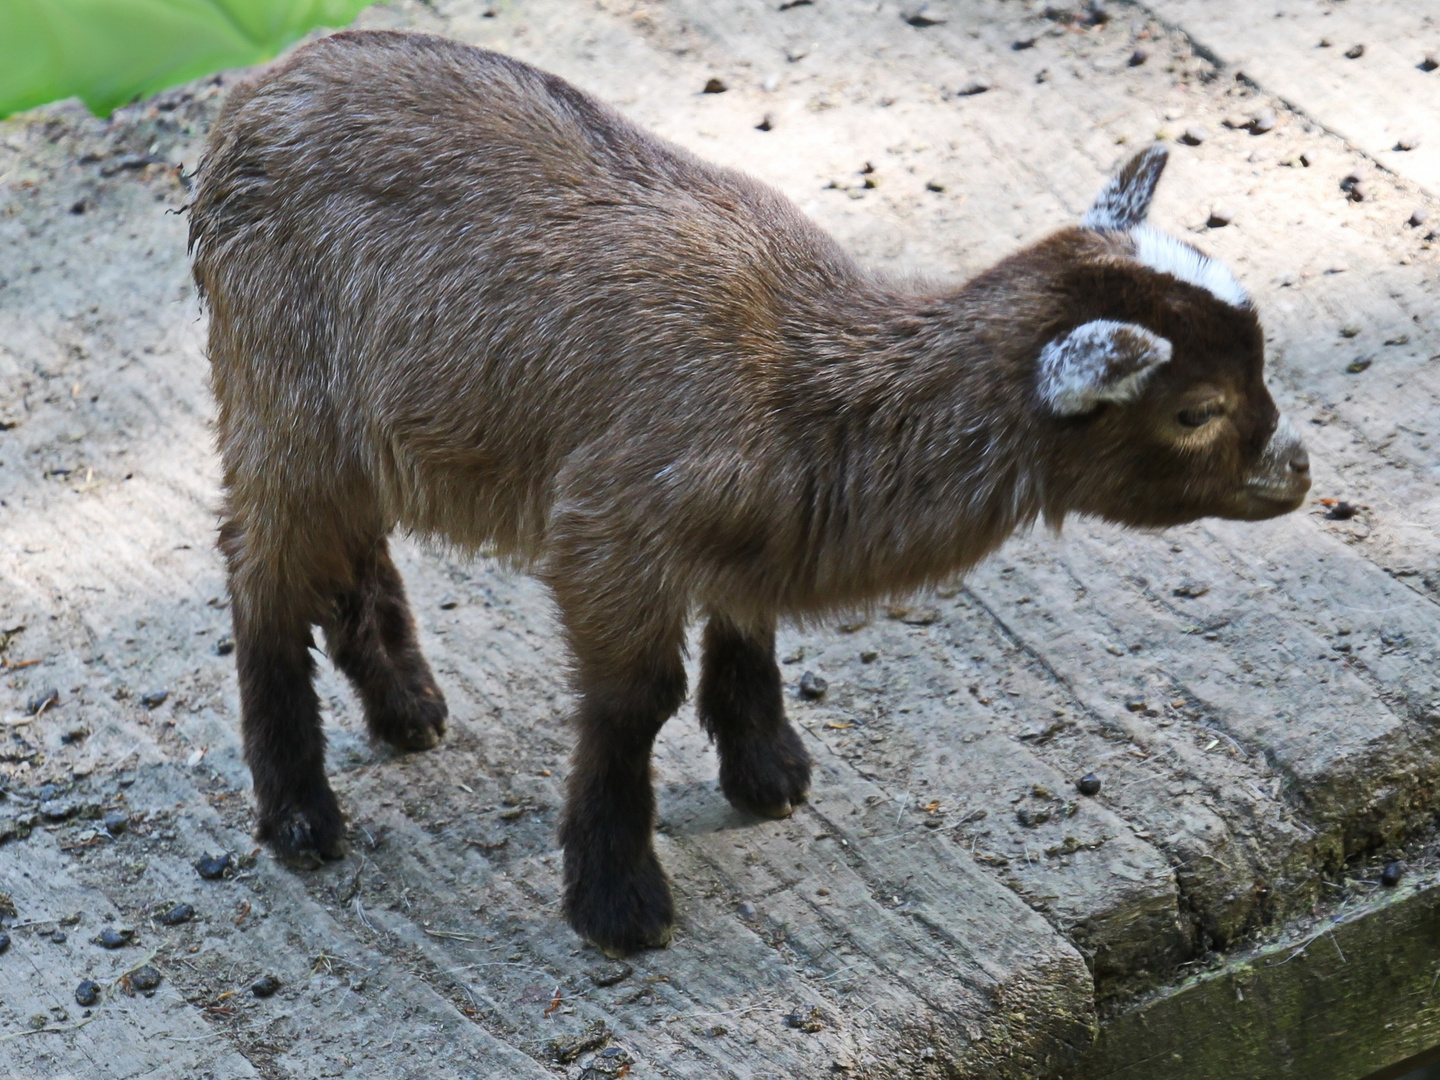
point(453, 294)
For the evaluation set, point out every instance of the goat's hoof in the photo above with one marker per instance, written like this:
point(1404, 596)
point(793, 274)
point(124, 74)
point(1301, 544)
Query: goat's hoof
point(619, 912)
point(418, 725)
point(774, 811)
point(303, 836)
point(769, 779)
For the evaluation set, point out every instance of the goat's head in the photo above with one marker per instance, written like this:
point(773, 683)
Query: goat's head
point(1151, 373)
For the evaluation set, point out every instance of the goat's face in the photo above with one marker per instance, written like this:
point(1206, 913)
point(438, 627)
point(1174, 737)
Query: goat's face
point(1155, 382)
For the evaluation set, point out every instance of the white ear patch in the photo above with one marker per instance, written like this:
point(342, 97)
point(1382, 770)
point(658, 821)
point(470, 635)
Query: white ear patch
point(1180, 260)
point(1100, 361)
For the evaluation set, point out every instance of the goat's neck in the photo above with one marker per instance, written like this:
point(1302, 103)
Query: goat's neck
point(925, 455)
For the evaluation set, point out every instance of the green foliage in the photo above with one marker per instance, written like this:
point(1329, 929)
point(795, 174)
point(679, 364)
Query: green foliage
point(110, 51)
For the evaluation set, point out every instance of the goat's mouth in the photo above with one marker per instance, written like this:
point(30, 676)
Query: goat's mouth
point(1261, 499)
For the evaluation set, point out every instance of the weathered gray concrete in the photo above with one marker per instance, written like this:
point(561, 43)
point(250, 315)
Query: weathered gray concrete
point(1264, 745)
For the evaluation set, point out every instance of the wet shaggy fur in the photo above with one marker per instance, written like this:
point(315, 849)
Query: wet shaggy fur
point(453, 294)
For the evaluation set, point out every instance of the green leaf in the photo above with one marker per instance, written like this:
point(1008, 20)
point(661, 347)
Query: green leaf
point(108, 52)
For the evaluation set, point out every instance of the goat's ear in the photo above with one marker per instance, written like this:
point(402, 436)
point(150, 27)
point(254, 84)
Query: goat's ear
point(1125, 199)
point(1100, 361)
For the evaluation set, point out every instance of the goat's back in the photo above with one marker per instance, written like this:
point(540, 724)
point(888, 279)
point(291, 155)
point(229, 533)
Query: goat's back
point(444, 273)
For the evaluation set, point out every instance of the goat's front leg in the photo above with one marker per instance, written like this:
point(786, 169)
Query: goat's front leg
point(616, 894)
point(764, 767)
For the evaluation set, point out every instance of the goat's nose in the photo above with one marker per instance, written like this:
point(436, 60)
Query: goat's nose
point(1300, 460)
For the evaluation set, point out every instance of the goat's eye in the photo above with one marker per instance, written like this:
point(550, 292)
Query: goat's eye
point(1200, 416)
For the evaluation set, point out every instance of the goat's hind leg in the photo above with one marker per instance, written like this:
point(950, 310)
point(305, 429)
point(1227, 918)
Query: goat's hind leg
point(764, 767)
point(297, 813)
point(370, 635)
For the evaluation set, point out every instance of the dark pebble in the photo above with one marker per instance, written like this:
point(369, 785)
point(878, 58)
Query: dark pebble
point(211, 867)
point(1265, 120)
point(1089, 784)
point(1136, 704)
point(145, 978)
point(57, 809)
point(1419, 216)
point(1391, 875)
point(1343, 511)
point(74, 735)
point(1359, 364)
point(225, 646)
point(111, 938)
point(78, 206)
point(611, 973)
point(117, 821)
point(767, 123)
point(1354, 52)
point(922, 16)
point(1138, 57)
point(1191, 590)
point(1359, 191)
point(42, 701)
point(715, 86)
point(1022, 44)
point(970, 89)
point(265, 986)
point(1430, 63)
point(58, 937)
point(180, 913)
point(87, 993)
point(869, 656)
point(4, 942)
point(812, 686)
point(154, 698)
point(1194, 135)
point(449, 604)
point(1218, 219)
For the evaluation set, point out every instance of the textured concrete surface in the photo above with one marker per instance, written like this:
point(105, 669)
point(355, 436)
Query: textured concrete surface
point(1260, 701)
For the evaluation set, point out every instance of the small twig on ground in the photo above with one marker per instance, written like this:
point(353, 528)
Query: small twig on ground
point(50, 1028)
point(450, 935)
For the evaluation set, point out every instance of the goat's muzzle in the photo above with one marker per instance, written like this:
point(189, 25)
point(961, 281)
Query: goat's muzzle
point(1281, 477)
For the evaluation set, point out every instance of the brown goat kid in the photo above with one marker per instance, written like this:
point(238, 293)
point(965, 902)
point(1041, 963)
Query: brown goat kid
point(454, 294)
